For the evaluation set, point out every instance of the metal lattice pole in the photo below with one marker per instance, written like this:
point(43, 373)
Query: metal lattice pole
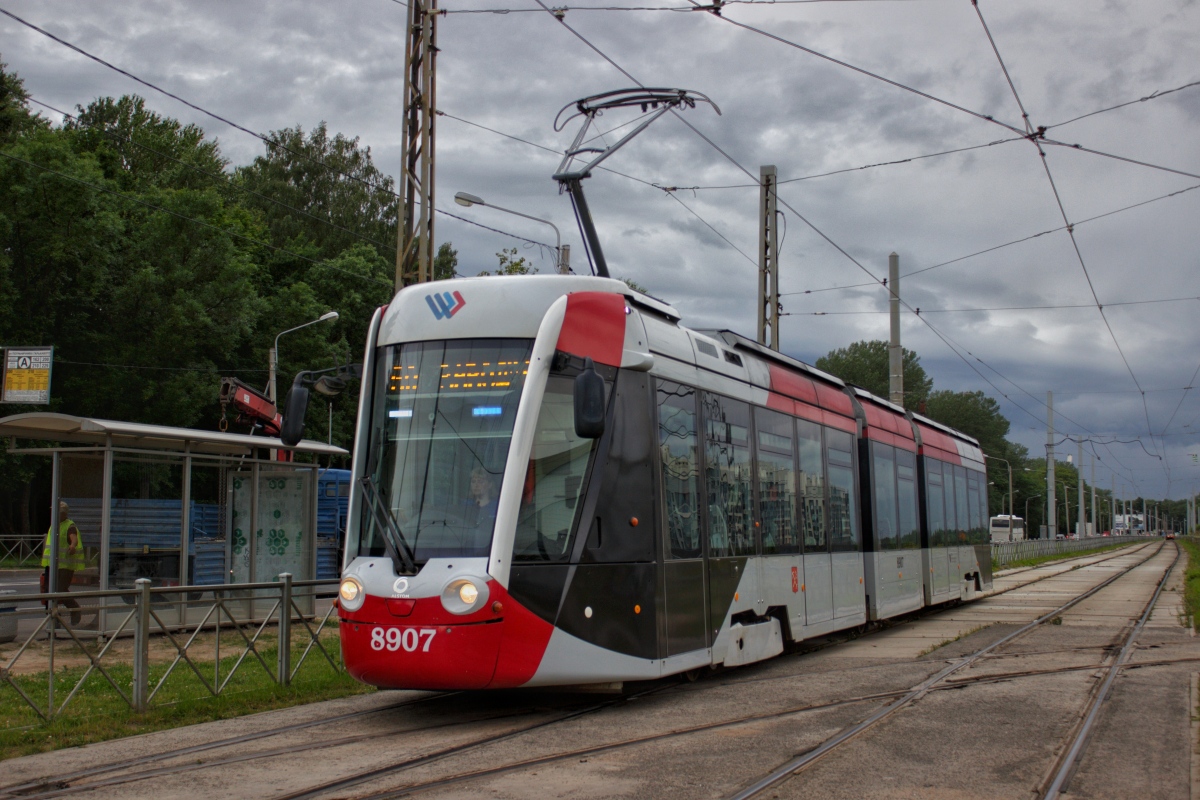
point(414, 230)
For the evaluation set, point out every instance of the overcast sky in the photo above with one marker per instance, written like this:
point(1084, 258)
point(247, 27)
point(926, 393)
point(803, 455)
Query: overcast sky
point(510, 66)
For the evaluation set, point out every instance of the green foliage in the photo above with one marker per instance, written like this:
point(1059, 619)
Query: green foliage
point(445, 263)
point(127, 244)
point(511, 264)
point(865, 364)
point(632, 284)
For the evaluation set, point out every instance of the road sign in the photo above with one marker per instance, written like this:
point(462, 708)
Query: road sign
point(26, 376)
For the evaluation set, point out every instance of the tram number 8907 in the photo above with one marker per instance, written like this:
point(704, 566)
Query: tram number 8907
point(410, 639)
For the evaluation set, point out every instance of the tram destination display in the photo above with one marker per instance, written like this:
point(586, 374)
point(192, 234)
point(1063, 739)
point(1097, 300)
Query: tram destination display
point(26, 376)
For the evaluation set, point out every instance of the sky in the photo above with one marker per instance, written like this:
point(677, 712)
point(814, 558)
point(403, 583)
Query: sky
point(1052, 266)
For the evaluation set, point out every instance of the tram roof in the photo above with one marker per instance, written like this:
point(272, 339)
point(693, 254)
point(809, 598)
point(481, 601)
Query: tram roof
point(52, 427)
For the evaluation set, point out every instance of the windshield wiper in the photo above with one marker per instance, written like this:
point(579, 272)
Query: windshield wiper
point(393, 539)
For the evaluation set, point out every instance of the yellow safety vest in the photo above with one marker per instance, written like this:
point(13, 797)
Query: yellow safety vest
point(73, 561)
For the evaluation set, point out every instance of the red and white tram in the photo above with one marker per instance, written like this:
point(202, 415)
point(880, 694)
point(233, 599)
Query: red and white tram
point(732, 499)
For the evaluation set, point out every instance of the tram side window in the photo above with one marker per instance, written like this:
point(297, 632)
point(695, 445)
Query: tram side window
point(883, 479)
point(680, 468)
point(935, 509)
point(843, 499)
point(729, 478)
point(776, 481)
point(906, 494)
point(975, 495)
point(962, 523)
point(812, 487)
point(558, 462)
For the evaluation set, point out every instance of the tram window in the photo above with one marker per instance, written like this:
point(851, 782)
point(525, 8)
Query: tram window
point(935, 503)
point(906, 494)
point(975, 495)
point(962, 523)
point(554, 479)
point(843, 499)
point(776, 482)
point(812, 486)
point(680, 470)
point(729, 479)
point(883, 480)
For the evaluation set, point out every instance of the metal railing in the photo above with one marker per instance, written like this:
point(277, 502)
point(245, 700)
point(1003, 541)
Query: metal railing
point(21, 552)
point(176, 623)
point(1004, 553)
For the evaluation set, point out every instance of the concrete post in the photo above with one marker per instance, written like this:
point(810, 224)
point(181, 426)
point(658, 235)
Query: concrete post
point(1051, 500)
point(284, 668)
point(141, 644)
point(1081, 510)
point(895, 350)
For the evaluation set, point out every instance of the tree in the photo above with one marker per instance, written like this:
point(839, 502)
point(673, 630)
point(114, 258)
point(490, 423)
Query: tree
point(511, 264)
point(445, 263)
point(632, 284)
point(865, 364)
point(321, 190)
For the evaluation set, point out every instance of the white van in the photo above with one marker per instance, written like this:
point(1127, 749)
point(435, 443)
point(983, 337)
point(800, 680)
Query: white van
point(1006, 529)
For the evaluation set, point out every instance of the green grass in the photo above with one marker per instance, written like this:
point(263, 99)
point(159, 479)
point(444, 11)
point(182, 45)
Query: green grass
point(1033, 562)
point(98, 713)
point(1191, 578)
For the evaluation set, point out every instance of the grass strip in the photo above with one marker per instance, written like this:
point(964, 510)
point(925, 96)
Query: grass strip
point(1191, 579)
point(1035, 561)
point(98, 713)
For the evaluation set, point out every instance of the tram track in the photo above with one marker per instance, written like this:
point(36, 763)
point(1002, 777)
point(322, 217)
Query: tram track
point(800, 763)
point(85, 780)
point(28, 789)
point(896, 697)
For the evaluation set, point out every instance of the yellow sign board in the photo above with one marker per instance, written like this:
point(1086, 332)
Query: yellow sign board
point(26, 376)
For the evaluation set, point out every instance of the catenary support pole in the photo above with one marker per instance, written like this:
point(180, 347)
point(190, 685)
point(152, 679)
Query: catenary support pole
point(1081, 521)
point(1051, 500)
point(895, 351)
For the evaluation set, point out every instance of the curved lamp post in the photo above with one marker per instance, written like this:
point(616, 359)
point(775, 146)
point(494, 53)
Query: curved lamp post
point(274, 360)
point(468, 200)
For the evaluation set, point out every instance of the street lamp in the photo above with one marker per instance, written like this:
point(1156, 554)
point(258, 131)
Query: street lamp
point(468, 200)
point(274, 355)
point(1027, 499)
point(1010, 486)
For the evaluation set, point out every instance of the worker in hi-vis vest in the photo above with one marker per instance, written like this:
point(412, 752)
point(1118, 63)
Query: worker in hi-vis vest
point(70, 557)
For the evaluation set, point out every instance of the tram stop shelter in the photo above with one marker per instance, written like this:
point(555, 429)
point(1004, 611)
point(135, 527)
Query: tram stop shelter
point(181, 507)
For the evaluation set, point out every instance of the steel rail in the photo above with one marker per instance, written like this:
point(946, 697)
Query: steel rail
point(795, 765)
point(287, 749)
point(56, 787)
point(378, 772)
point(1067, 766)
point(706, 727)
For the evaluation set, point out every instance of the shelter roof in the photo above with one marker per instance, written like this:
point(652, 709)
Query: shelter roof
point(50, 427)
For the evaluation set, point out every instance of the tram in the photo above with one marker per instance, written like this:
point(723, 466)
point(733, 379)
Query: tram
point(557, 483)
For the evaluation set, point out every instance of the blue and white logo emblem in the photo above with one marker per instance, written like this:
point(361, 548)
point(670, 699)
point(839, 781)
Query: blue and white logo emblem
point(445, 305)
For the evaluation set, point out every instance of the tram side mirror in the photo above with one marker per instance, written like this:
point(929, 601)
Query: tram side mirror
point(296, 406)
point(589, 402)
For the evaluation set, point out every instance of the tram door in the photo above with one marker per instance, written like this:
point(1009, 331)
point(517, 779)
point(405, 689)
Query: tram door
point(818, 562)
point(684, 576)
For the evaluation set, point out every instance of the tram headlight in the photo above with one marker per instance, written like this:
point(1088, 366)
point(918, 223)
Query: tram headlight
point(351, 594)
point(464, 596)
point(468, 593)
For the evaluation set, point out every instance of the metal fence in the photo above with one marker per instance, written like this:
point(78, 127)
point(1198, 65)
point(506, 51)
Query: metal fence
point(1004, 553)
point(20, 552)
point(285, 615)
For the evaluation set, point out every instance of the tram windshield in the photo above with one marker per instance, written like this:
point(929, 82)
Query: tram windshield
point(442, 419)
